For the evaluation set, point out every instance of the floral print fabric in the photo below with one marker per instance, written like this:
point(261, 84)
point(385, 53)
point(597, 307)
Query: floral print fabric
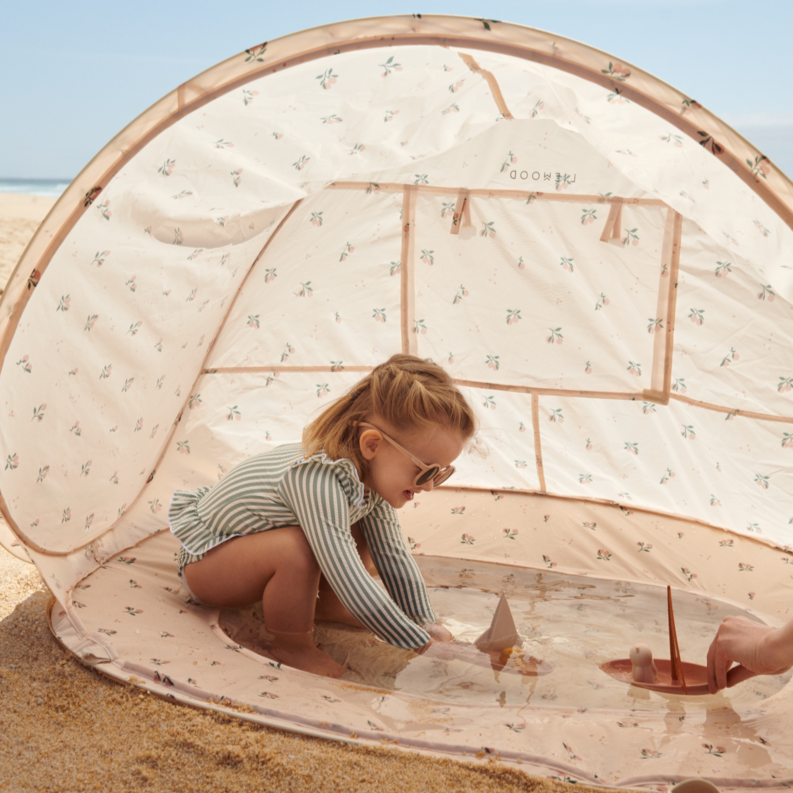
point(176, 251)
point(131, 619)
point(228, 280)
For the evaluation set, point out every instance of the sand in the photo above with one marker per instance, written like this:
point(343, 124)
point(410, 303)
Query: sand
point(65, 727)
point(20, 216)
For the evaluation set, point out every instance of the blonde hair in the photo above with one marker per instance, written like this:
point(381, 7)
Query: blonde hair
point(406, 391)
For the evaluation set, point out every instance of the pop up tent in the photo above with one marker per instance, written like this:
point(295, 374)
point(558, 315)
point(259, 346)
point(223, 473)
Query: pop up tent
point(601, 264)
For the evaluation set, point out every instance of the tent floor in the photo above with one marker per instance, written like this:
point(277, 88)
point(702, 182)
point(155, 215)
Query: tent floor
point(130, 620)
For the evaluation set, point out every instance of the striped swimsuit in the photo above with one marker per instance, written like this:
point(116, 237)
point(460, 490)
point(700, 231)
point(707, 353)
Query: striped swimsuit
point(324, 497)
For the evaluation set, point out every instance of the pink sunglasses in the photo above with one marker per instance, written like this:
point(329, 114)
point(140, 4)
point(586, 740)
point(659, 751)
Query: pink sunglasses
point(434, 472)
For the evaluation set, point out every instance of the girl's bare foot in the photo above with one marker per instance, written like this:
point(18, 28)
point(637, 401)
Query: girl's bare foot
point(299, 651)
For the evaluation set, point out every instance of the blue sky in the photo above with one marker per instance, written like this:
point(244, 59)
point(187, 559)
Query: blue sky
point(74, 74)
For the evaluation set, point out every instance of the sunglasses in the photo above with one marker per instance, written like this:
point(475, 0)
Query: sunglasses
point(426, 473)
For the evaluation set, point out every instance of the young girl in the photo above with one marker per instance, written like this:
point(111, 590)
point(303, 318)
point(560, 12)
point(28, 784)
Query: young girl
point(306, 520)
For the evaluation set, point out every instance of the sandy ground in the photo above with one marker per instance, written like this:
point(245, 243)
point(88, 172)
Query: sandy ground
point(64, 727)
point(20, 216)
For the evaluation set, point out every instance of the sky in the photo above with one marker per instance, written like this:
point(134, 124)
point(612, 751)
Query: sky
point(74, 74)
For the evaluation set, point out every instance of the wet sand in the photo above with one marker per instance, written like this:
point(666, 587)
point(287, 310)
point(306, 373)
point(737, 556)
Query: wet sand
point(65, 727)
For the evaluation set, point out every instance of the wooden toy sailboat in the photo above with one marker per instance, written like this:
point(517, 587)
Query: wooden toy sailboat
point(671, 676)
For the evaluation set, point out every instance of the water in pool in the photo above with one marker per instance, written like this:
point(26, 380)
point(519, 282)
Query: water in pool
point(573, 623)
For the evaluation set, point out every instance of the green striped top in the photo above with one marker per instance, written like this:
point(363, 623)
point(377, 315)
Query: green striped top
point(324, 497)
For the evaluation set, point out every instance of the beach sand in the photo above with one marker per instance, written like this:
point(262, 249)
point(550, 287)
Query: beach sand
point(65, 727)
point(20, 216)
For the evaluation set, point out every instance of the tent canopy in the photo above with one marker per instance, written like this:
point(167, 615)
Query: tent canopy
point(601, 264)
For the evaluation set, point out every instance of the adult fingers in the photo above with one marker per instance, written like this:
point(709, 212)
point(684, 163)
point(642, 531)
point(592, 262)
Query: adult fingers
point(738, 674)
point(713, 686)
point(723, 665)
point(719, 663)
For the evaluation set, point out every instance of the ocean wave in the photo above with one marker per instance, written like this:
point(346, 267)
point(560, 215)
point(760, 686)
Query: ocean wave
point(38, 187)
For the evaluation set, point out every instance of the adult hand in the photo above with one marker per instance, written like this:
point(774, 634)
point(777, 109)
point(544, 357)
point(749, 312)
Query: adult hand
point(757, 649)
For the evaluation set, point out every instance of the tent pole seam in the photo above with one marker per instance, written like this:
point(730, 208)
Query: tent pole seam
point(631, 396)
point(407, 296)
point(672, 307)
point(535, 424)
point(563, 392)
point(495, 88)
point(477, 192)
point(663, 305)
point(611, 221)
point(734, 411)
point(278, 368)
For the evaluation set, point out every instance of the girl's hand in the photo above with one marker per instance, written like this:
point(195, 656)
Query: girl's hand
point(438, 632)
point(422, 650)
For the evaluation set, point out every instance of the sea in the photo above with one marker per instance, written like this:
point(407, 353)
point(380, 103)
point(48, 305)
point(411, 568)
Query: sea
point(41, 187)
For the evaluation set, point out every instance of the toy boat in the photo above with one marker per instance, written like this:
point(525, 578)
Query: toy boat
point(498, 648)
point(673, 676)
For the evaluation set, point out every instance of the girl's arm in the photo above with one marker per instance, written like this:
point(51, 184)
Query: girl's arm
point(318, 500)
point(395, 563)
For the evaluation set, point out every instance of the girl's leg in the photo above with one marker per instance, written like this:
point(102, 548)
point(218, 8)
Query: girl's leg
point(329, 607)
point(279, 567)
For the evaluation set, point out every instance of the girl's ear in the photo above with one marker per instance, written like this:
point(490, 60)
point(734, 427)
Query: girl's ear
point(369, 443)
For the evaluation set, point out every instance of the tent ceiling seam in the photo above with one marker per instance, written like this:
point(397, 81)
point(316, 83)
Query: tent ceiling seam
point(278, 368)
point(562, 392)
point(574, 198)
point(572, 393)
point(734, 411)
point(495, 88)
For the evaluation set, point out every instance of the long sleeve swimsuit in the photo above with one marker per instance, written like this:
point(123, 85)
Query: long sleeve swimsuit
point(325, 498)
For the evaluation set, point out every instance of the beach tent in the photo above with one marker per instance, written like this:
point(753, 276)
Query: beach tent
point(602, 265)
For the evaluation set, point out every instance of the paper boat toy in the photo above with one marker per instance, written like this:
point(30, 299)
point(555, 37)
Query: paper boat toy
point(502, 632)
